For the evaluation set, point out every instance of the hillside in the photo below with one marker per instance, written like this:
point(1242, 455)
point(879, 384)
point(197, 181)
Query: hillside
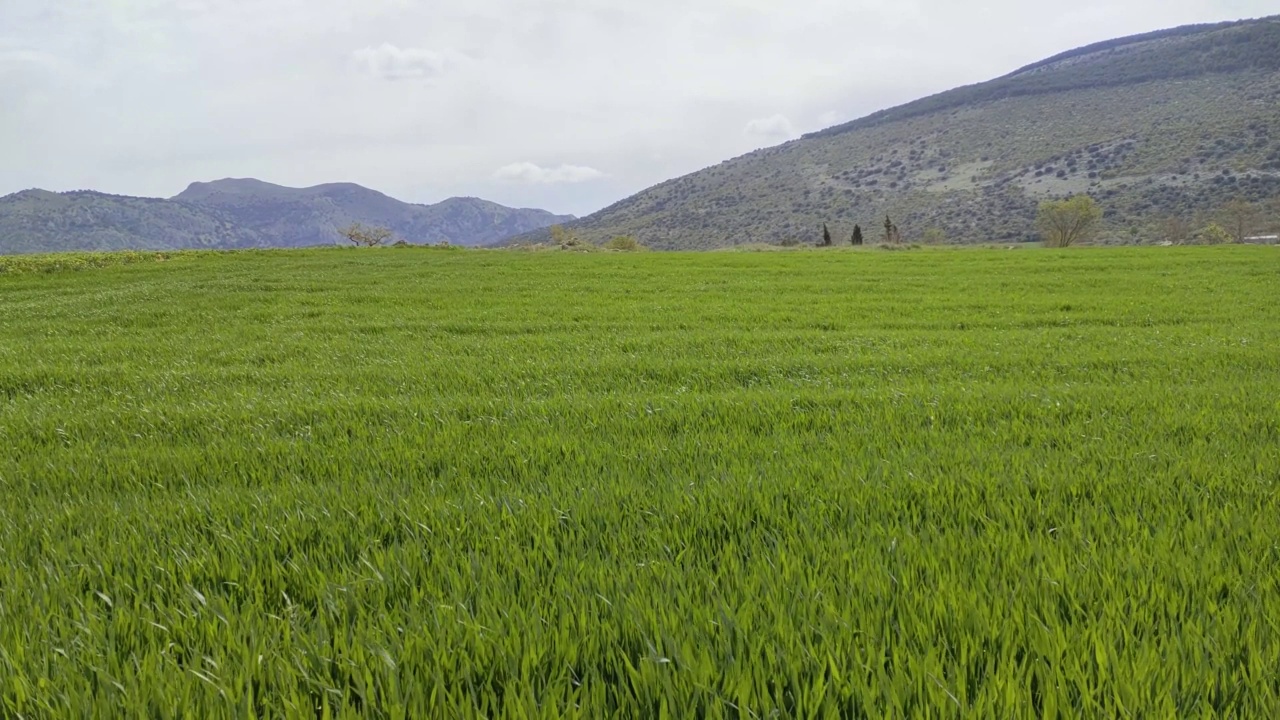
point(245, 213)
point(1173, 123)
point(42, 221)
point(312, 216)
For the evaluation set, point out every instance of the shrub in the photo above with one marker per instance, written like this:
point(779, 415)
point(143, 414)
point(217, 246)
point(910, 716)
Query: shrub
point(1213, 234)
point(623, 243)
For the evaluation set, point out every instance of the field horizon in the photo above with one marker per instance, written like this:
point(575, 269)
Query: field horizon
point(431, 483)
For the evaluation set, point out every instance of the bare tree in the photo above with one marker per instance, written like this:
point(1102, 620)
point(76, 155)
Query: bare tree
point(365, 235)
point(891, 234)
point(1064, 223)
point(934, 236)
point(1175, 229)
point(1271, 219)
point(1240, 218)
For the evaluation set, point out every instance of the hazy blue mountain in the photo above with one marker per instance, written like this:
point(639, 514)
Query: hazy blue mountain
point(237, 213)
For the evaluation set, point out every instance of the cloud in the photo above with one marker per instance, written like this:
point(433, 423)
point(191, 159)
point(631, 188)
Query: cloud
point(390, 62)
point(21, 56)
point(774, 127)
point(828, 119)
point(527, 172)
point(145, 96)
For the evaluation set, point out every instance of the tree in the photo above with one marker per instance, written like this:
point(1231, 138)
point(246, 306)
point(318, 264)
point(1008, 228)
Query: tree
point(368, 236)
point(1240, 219)
point(935, 236)
point(891, 234)
point(565, 238)
point(1175, 229)
point(624, 243)
point(857, 235)
point(1064, 223)
point(826, 236)
point(1272, 213)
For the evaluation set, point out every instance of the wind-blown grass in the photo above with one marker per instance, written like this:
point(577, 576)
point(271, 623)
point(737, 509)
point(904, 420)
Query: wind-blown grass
point(483, 484)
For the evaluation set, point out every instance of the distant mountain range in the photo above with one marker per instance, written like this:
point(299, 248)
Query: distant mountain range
point(238, 213)
point(1165, 126)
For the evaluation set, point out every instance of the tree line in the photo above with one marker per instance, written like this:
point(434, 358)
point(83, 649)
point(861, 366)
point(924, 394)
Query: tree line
point(1074, 220)
point(1061, 223)
point(891, 234)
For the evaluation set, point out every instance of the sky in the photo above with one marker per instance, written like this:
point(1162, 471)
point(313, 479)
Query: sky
point(567, 105)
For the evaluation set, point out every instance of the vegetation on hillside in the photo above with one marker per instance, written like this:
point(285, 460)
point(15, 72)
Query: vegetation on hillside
point(36, 221)
point(1179, 124)
point(232, 214)
point(1191, 51)
point(350, 483)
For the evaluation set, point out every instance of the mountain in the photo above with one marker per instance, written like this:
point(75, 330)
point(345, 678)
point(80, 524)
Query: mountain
point(1171, 123)
point(239, 213)
point(41, 221)
point(312, 216)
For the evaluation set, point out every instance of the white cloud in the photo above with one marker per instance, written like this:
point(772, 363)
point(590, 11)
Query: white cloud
point(527, 172)
point(395, 63)
point(774, 127)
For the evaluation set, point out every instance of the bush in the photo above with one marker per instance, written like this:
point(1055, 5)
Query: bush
point(624, 243)
point(74, 261)
point(1064, 223)
point(575, 244)
point(1213, 234)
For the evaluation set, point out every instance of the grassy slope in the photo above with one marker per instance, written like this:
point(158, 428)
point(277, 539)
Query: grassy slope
point(416, 481)
point(1158, 122)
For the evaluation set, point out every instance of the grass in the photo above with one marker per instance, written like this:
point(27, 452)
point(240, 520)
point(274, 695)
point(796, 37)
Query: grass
point(348, 483)
point(69, 261)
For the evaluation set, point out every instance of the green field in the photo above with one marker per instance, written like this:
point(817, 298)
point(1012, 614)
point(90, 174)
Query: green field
point(413, 483)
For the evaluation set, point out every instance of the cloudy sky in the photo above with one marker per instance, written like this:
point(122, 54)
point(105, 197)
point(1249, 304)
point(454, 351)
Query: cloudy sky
point(563, 104)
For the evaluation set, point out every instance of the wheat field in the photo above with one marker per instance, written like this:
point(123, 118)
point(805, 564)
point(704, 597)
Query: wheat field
point(404, 483)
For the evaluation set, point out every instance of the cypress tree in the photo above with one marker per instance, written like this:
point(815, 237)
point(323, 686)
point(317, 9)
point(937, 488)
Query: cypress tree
point(891, 234)
point(826, 236)
point(857, 235)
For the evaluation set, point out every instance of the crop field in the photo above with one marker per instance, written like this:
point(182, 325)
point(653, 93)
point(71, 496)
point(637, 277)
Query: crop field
point(415, 483)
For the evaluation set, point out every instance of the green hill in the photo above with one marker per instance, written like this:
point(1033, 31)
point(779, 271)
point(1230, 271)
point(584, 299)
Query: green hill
point(245, 213)
point(1173, 123)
